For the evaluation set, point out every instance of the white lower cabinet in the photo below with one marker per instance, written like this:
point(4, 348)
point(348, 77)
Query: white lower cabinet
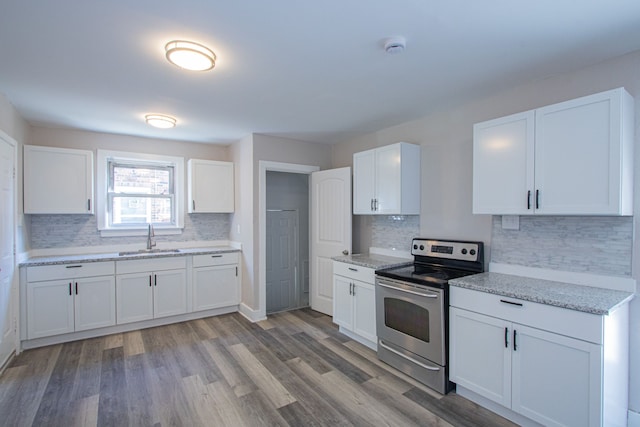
point(74, 301)
point(150, 289)
point(354, 303)
point(553, 373)
point(215, 281)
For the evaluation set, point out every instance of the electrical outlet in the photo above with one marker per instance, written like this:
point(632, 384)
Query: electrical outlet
point(510, 222)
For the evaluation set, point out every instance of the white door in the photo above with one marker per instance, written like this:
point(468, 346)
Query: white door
point(50, 309)
point(7, 209)
point(215, 286)
point(480, 354)
point(169, 293)
point(364, 190)
point(95, 302)
point(330, 231)
point(343, 302)
point(134, 297)
point(364, 310)
point(556, 379)
point(282, 260)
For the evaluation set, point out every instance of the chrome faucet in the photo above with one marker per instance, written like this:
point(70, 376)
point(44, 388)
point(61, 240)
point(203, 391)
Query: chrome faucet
point(150, 235)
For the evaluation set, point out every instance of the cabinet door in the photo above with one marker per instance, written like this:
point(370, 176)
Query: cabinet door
point(210, 186)
point(480, 354)
point(343, 302)
point(578, 155)
point(364, 181)
point(364, 311)
point(556, 380)
point(503, 155)
point(388, 180)
point(49, 308)
point(57, 180)
point(134, 297)
point(215, 287)
point(95, 302)
point(169, 293)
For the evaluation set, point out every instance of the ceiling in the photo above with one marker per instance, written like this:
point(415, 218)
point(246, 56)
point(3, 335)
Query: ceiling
point(314, 71)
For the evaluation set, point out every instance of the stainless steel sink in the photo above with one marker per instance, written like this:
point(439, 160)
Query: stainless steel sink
point(149, 251)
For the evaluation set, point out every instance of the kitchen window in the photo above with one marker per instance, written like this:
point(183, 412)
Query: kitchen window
point(135, 190)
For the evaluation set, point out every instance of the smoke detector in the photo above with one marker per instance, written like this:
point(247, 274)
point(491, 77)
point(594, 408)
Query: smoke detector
point(394, 45)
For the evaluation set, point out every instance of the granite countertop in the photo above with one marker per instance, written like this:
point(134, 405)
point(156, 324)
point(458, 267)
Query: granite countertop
point(114, 256)
point(566, 295)
point(374, 261)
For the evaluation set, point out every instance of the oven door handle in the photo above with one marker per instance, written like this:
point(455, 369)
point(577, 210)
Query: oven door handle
point(408, 291)
point(394, 351)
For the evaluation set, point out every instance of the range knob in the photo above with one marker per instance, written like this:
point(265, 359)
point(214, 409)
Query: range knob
point(464, 251)
point(415, 246)
point(422, 247)
point(472, 251)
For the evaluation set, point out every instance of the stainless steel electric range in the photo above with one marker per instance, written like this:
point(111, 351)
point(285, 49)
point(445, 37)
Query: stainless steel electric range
point(412, 308)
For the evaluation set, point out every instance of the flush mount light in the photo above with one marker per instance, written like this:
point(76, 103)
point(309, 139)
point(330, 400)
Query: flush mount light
point(395, 45)
point(160, 121)
point(189, 55)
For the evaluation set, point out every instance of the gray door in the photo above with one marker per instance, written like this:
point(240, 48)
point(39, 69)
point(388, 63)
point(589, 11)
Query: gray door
point(282, 260)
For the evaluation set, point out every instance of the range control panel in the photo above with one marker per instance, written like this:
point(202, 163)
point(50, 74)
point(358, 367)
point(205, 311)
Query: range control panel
point(464, 251)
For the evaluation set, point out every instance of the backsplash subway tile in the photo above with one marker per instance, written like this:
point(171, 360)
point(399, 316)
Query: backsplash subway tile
point(597, 245)
point(394, 232)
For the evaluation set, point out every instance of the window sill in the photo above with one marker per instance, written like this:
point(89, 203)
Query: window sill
point(126, 232)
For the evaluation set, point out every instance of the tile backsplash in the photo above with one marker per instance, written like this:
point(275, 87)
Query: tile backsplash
point(597, 245)
point(394, 232)
point(62, 231)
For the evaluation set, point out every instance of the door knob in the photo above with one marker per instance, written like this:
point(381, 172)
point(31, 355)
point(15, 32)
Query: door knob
point(345, 252)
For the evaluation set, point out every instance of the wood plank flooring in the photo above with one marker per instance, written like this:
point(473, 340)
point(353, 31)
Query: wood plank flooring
point(294, 369)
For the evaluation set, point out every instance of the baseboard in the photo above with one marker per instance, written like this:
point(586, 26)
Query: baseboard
point(6, 363)
point(633, 419)
point(251, 314)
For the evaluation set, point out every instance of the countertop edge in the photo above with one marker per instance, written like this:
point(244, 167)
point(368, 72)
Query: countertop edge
point(374, 261)
point(72, 259)
point(620, 297)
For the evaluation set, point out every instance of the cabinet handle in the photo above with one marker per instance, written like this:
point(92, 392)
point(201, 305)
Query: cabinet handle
point(353, 269)
point(73, 266)
point(515, 345)
point(236, 271)
point(76, 288)
point(350, 288)
point(70, 289)
point(89, 205)
point(193, 203)
point(354, 289)
point(155, 280)
point(372, 204)
point(519, 304)
point(529, 199)
point(537, 199)
point(216, 256)
point(506, 337)
point(149, 280)
point(375, 204)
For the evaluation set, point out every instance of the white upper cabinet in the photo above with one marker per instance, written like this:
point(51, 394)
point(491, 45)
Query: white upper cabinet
point(571, 158)
point(57, 180)
point(386, 180)
point(210, 186)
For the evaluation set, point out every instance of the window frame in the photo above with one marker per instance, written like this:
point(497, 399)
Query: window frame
point(107, 158)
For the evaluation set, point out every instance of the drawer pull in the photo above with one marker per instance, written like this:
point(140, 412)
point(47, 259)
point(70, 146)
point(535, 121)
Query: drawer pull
point(353, 269)
point(216, 256)
point(511, 302)
point(73, 266)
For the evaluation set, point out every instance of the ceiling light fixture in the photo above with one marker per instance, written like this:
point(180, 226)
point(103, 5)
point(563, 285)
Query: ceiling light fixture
point(189, 55)
point(160, 121)
point(395, 45)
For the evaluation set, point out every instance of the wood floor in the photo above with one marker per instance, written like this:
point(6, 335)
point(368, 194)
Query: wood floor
point(293, 369)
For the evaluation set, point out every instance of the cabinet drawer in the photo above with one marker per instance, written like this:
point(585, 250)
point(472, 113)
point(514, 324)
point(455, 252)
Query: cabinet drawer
point(215, 259)
point(572, 323)
point(151, 264)
point(356, 272)
point(70, 271)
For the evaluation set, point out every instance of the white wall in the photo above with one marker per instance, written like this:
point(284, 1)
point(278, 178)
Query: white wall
point(446, 138)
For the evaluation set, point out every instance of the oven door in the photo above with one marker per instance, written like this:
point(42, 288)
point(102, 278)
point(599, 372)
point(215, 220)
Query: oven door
point(411, 317)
